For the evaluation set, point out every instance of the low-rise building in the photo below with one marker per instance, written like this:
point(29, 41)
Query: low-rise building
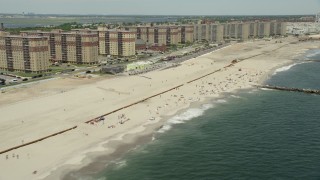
point(301, 28)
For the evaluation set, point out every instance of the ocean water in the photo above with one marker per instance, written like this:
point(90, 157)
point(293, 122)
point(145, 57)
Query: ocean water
point(254, 134)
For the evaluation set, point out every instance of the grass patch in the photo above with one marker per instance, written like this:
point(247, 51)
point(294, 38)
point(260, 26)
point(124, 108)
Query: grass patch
point(82, 65)
point(23, 74)
point(56, 69)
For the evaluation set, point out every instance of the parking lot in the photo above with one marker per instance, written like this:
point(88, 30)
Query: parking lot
point(9, 79)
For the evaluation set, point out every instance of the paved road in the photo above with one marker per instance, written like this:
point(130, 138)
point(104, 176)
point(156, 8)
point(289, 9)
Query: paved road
point(173, 63)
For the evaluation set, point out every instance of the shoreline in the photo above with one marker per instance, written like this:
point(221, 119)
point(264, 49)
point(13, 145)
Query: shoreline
point(96, 162)
point(72, 155)
point(99, 162)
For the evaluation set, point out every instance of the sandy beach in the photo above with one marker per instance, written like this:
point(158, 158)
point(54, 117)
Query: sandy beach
point(32, 112)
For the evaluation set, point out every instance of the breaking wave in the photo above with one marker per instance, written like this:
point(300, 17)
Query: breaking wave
point(185, 116)
point(313, 54)
point(285, 68)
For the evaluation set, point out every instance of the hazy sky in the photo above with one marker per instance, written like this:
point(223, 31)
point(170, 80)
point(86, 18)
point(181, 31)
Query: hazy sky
point(163, 7)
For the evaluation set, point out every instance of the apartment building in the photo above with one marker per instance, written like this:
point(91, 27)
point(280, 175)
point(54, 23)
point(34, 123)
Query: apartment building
point(200, 32)
point(253, 29)
point(216, 33)
point(243, 31)
point(163, 35)
point(227, 31)
point(78, 47)
point(116, 42)
point(278, 28)
point(263, 29)
point(209, 32)
point(236, 31)
point(266, 29)
point(158, 35)
point(173, 35)
point(142, 33)
point(24, 53)
point(185, 34)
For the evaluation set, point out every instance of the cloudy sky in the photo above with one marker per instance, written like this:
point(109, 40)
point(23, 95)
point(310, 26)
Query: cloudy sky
point(163, 7)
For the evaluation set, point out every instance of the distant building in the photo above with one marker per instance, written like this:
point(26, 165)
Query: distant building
point(186, 34)
point(253, 29)
point(216, 33)
point(142, 32)
point(201, 32)
point(24, 53)
point(116, 42)
point(263, 29)
point(236, 31)
point(267, 29)
point(243, 31)
point(302, 28)
point(163, 35)
point(278, 28)
point(158, 35)
point(282, 28)
point(208, 32)
point(78, 46)
point(173, 35)
point(307, 19)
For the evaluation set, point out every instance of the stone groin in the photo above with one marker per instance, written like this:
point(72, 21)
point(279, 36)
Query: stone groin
point(308, 91)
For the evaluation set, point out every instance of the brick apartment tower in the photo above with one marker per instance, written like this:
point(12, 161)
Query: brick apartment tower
point(77, 47)
point(24, 53)
point(186, 34)
point(116, 42)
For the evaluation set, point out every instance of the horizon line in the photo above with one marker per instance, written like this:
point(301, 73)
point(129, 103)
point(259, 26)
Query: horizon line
point(31, 13)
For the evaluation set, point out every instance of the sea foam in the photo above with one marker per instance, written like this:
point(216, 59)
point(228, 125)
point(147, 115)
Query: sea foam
point(237, 97)
point(221, 101)
point(121, 164)
point(313, 54)
point(266, 89)
point(285, 68)
point(184, 117)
